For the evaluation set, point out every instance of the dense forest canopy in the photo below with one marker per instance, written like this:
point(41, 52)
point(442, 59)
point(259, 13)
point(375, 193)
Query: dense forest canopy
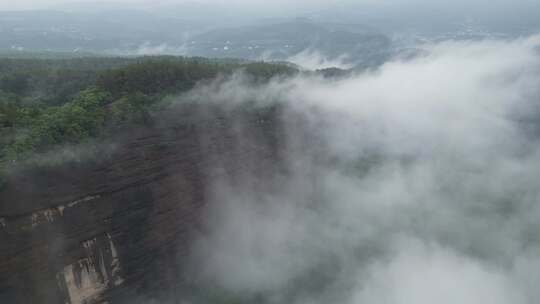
point(48, 102)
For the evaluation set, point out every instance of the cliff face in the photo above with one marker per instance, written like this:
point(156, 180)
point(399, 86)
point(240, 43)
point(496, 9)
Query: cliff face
point(119, 229)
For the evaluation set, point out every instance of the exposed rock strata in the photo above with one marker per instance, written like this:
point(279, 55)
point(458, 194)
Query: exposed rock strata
point(117, 229)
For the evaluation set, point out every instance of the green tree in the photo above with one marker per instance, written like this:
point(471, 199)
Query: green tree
point(132, 108)
point(71, 123)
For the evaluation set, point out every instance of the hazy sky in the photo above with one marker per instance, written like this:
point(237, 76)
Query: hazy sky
point(514, 16)
point(38, 4)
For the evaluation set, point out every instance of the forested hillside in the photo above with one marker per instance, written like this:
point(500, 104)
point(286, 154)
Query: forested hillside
point(49, 102)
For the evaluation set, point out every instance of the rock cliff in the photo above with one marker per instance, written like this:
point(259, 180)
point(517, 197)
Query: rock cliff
point(117, 229)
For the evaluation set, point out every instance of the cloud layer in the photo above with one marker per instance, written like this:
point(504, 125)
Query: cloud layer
point(414, 183)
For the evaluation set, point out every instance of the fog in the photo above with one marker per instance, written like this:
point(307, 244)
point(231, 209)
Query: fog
point(385, 14)
point(313, 60)
point(412, 183)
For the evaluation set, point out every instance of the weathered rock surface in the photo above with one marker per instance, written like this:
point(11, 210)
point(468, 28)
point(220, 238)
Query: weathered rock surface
point(118, 229)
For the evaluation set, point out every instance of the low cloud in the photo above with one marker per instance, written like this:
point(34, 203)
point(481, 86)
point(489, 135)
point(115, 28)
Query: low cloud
point(412, 183)
point(313, 60)
point(420, 274)
point(149, 49)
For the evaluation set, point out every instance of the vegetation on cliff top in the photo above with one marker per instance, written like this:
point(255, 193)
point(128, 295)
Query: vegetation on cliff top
point(45, 103)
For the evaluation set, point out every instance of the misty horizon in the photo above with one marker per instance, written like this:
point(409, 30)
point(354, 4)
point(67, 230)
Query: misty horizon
point(387, 15)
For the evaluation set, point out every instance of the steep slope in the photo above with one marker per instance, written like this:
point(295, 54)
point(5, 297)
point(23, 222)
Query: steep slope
point(116, 229)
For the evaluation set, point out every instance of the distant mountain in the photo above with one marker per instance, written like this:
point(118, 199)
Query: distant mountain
point(444, 19)
point(132, 32)
point(351, 44)
point(94, 32)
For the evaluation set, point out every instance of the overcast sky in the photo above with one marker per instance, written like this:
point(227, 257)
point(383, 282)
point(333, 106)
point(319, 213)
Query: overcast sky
point(39, 4)
point(386, 15)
